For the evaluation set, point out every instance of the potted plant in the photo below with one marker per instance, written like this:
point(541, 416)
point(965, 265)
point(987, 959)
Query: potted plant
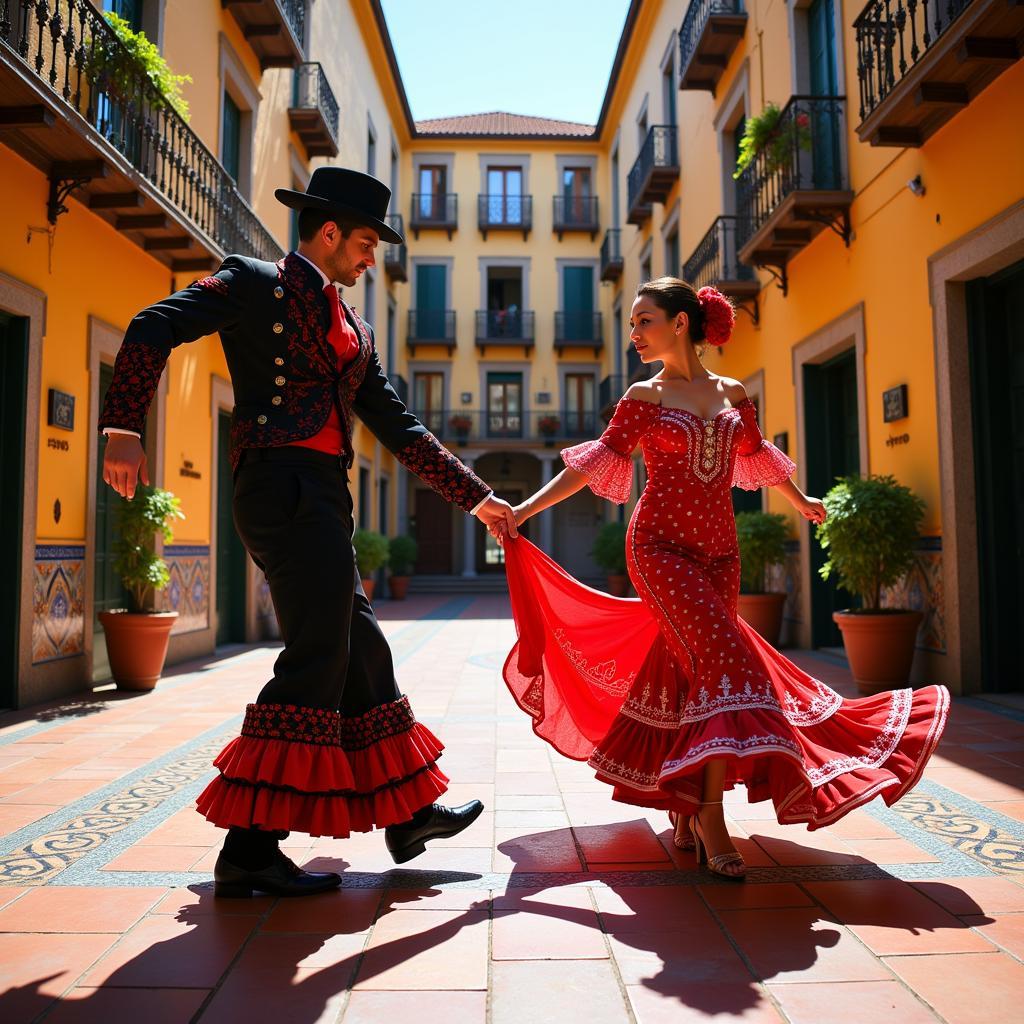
point(548, 427)
point(762, 541)
point(767, 133)
point(137, 637)
point(402, 554)
point(371, 554)
point(461, 424)
point(609, 551)
point(869, 536)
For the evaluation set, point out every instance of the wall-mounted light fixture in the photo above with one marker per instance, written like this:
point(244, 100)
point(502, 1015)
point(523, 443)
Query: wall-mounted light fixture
point(916, 185)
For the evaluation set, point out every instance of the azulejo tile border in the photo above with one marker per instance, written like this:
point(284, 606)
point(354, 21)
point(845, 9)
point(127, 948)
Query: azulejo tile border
point(188, 592)
point(58, 602)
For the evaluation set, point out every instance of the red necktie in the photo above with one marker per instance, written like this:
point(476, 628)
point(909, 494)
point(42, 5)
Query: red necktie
point(339, 334)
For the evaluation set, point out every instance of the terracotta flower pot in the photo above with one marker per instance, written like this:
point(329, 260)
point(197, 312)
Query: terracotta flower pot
point(880, 647)
point(618, 586)
point(368, 586)
point(137, 646)
point(763, 613)
point(399, 587)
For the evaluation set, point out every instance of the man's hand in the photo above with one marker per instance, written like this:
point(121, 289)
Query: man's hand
point(124, 464)
point(498, 517)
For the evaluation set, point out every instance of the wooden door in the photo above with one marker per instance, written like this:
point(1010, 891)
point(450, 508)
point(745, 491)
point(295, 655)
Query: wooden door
point(433, 533)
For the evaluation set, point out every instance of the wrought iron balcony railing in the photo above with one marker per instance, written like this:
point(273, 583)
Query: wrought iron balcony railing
point(611, 255)
point(575, 213)
point(275, 29)
point(578, 328)
point(500, 212)
point(434, 210)
point(654, 171)
point(716, 260)
point(431, 327)
point(504, 326)
point(396, 256)
point(711, 30)
point(529, 426)
point(314, 111)
point(118, 137)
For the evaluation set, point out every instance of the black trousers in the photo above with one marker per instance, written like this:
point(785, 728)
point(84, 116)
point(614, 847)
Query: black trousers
point(293, 511)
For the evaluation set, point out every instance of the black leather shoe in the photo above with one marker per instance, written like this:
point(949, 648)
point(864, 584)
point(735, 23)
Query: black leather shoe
point(280, 878)
point(410, 840)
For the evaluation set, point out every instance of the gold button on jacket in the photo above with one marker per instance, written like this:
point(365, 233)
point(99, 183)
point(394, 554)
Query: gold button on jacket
point(279, 361)
point(278, 328)
point(261, 419)
point(278, 292)
point(276, 400)
point(279, 381)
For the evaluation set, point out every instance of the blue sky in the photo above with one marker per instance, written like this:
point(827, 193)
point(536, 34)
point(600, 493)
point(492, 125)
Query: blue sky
point(549, 58)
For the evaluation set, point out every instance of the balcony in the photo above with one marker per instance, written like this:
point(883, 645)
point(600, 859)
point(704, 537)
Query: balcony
point(711, 30)
point(396, 257)
point(95, 124)
point(611, 255)
point(509, 428)
point(504, 213)
point(609, 391)
point(434, 211)
point(275, 29)
point(715, 262)
point(505, 327)
point(654, 172)
point(578, 330)
point(431, 327)
point(922, 62)
point(575, 213)
point(314, 111)
point(796, 186)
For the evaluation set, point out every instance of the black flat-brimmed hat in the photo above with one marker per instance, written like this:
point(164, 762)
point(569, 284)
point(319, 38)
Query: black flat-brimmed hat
point(350, 194)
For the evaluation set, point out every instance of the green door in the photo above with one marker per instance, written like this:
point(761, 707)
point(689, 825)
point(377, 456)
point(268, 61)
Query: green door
point(431, 296)
point(108, 593)
point(231, 556)
point(824, 82)
point(13, 400)
point(996, 340)
point(578, 299)
point(833, 449)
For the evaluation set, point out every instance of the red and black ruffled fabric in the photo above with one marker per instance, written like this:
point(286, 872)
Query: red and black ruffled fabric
point(314, 771)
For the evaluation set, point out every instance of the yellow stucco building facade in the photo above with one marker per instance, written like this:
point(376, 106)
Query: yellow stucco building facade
point(873, 254)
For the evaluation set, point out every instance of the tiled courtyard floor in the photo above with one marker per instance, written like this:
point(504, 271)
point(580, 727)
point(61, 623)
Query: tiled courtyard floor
point(557, 905)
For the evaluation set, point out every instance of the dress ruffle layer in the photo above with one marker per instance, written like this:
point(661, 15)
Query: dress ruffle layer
point(608, 473)
point(601, 684)
point(307, 770)
point(765, 466)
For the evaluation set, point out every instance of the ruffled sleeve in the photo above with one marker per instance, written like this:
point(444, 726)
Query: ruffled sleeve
point(758, 462)
point(606, 462)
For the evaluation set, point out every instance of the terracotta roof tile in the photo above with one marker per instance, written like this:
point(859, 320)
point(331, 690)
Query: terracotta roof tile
point(501, 123)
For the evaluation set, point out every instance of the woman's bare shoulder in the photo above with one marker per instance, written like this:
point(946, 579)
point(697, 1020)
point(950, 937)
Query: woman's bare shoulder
point(644, 391)
point(733, 389)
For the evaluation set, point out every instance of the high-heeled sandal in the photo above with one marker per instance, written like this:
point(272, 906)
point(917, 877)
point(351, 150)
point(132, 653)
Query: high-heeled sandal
point(716, 863)
point(681, 838)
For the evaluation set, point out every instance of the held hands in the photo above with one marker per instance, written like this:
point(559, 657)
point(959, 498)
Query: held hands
point(497, 515)
point(812, 509)
point(124, 464)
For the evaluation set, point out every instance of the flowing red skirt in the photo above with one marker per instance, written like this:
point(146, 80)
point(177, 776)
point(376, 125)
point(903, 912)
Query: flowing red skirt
point(600, 683)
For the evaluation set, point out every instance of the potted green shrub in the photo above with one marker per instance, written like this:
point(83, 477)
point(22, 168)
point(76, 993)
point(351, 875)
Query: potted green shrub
point(767, 133)
point(402, 554)
point(138, 636)
point(371, 554)
point(762, 541)
point(609, 551)
point(869, 535)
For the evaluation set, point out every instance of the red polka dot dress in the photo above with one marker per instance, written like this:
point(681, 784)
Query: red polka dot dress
point(649, 690)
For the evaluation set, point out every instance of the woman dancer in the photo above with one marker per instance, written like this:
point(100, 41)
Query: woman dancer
point(672, 698)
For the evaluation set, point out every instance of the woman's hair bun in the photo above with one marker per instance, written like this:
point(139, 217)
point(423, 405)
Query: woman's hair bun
point(719, 316)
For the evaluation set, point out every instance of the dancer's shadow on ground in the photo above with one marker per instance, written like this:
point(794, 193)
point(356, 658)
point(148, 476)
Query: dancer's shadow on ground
point(664, 938)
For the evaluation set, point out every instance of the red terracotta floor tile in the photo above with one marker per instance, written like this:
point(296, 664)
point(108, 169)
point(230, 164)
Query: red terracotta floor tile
point(15, 816)
point(975, 895)
point(284, 994)
point(751, 896)
point(851, 1002)
point(166, 952)
point(57, 908)
point(800, 945)
point(36, 969)
point(54, 791)
point(436, 899)
point(703, 1003)
point(623, 842)
point(890, 851)
point(525, 783)
point(8, 894)
point(534, 850)
point(860, 825)
point(992, 784)
point(156, 858)
point(425, 949)
point(816, 848)
point(192, 901)
point(421, 1007)
point(669, 961)
point(531, 819)
point(343, 911)
point(892, 917)
point(971, 988)
point(533, 802)
point(1011, 808)
point(550, 991)
point(1005, 930)
point(650, 908)
point(550, 924)
point(104, 1005)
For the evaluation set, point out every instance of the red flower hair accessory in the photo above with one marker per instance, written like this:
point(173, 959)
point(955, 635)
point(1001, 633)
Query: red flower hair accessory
point(719, 315)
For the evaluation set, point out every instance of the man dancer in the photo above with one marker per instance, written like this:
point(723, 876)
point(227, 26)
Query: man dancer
point(330, 746)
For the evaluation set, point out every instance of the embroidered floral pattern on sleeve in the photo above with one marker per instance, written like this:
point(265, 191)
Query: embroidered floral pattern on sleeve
point(137, 371)
point(436, 466)
point(213, 283)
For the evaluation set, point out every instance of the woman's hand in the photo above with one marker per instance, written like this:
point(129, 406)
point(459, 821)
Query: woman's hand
point(812, 509)
point(522, 512)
